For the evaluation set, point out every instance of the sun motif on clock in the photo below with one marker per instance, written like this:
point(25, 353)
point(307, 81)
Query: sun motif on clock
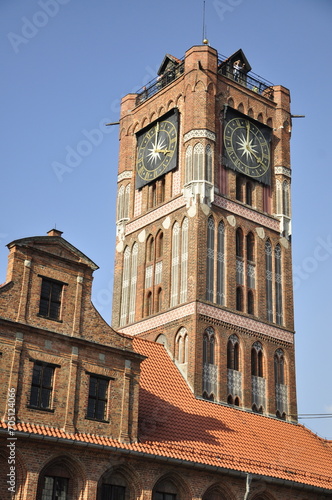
point(247, 147)
point(157, 149)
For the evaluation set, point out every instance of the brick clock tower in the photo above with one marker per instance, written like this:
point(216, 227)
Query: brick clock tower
point(203, 254)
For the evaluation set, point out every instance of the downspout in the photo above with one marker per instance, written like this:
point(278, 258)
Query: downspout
point(248, 482)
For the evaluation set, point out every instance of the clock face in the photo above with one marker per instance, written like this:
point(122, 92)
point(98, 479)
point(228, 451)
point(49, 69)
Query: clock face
point(247, 147)
point(157, 149)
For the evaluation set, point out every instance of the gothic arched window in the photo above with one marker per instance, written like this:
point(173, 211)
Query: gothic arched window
point(238, 187)
point(125, 286)
point(239, 257)
point(268, 280)
point(184, 261)
point(148, 304)
point(210, 260)
point(159, 245)
point(278, 285)
point(257, 360)
point(210, 369)
point(133, 281)
point(280, 386)
point(208, 346)
point(233, 353)
point(175, 264)
point(221, 264)
point(179, 269)
point(182, 346)
point(120, 207)
point(208, 163)
point(285, 198)
point(189, 164)
point(126, 202)
point(198, 166)
point(250, 302)
point(257, 380)
point(279, 367)
point(251, 272)
point(239, 298)
point(249, 191)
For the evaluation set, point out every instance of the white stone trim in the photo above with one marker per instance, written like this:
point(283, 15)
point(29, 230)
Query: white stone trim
point(127, 174)
point(283, 171)
point(197, 133)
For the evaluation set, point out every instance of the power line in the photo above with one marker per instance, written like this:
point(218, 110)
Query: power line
point(305, 416)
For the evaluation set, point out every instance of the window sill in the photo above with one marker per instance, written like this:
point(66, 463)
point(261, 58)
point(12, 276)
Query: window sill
point(47, 410)
point(97, 420)
point(50, 319)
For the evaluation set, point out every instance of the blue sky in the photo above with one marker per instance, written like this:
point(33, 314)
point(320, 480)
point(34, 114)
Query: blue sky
point(65, 66)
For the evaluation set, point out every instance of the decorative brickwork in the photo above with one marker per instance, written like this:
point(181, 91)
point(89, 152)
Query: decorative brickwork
point(247, 213)
point(154, 215)
point(194, 134)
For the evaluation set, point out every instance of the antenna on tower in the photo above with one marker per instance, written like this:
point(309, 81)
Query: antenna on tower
point(205, 40)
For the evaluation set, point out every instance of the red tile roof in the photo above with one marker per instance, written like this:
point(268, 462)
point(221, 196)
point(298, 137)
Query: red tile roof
point(174, 424)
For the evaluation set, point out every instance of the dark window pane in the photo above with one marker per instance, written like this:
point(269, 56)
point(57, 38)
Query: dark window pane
point(93, 386)
point(106, 492)
point(43, 307)
point(34, 396)
point(100, 410)
point(56, 292)
point(50, 299)
point(45, 398)
point(55, 488)
point(46, 289)
point(54, 310)
point(60, 488)
point(41, 386)
point(118, 492)
point(102, 388)
point(91, 408)
point(112, 492)
point(169, 496)
point(36, 374)
point(47, 376)
point(97, 398)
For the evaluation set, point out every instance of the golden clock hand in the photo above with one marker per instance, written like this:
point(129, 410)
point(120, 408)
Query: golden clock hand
point(165, 151)
point(248, 127)
point(156, 135)
point(255, 156)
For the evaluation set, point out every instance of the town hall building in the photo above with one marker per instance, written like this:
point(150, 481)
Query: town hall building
point(191, 393)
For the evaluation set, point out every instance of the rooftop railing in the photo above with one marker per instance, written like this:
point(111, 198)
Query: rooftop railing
point(249, 80)
point(159, 83)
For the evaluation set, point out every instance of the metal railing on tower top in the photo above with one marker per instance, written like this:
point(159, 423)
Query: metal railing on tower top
point(247, 79)
point(225, 67)
point(159, 83)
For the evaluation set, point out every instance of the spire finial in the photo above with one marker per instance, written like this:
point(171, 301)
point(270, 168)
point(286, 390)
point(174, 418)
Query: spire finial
point(205, 40)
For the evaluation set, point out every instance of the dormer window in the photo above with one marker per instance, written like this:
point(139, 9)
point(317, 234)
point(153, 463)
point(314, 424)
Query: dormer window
point(50, 298)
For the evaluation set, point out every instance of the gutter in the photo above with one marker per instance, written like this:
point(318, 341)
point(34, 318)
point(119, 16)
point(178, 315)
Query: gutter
point(176, 461)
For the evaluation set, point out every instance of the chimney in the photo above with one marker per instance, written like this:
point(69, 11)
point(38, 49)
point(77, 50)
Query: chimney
point(54, 232)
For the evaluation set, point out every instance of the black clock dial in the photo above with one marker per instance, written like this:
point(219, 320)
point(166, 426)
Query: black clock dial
point(247, 148)
point(157, 149)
